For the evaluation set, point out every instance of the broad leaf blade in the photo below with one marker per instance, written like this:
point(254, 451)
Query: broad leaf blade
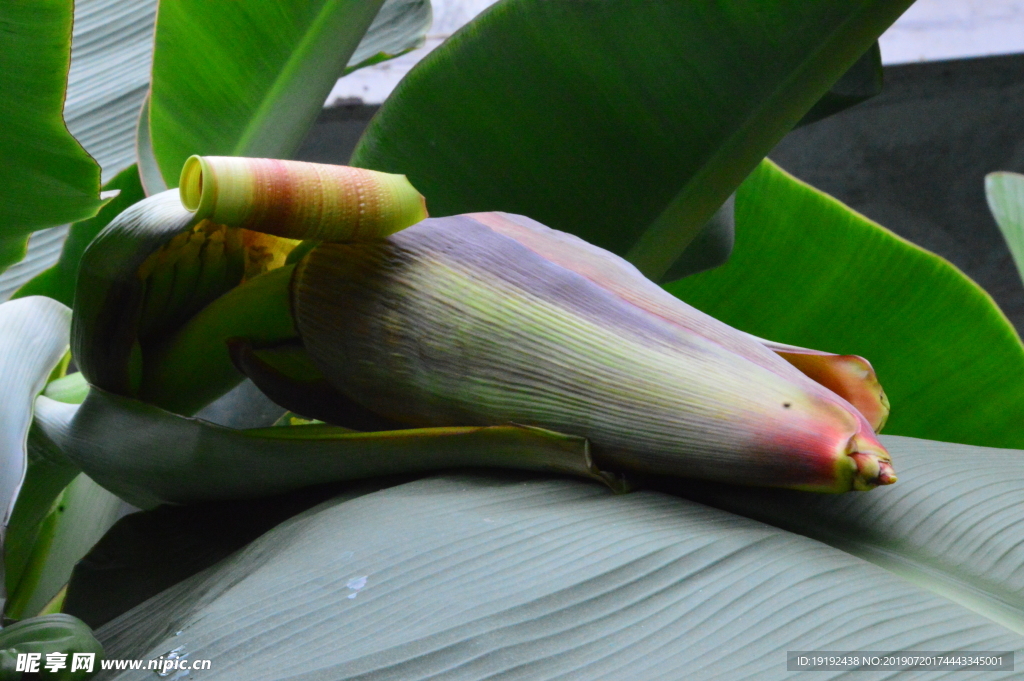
point(483, 577)
point(111, 56)
point(862, 82)
point(58, 282)
point(809, 271)
point(47, 178)
point(1005, 194)
point(235, 79)
point(131, 563)
point(951, 524)
point(627, 124)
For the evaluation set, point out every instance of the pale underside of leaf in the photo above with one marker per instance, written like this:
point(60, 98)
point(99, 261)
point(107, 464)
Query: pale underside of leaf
point(472, 577)
point(950, 525)
point(1005, 194)
point(33, 339)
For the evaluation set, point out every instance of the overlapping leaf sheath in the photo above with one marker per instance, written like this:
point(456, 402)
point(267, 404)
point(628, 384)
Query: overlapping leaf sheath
point(452, 322)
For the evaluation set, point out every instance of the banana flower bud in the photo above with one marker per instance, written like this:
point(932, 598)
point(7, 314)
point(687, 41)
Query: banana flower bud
point(493, 318)
point(467, 321)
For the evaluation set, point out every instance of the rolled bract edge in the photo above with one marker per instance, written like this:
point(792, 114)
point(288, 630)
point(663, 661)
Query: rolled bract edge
point(452, 321)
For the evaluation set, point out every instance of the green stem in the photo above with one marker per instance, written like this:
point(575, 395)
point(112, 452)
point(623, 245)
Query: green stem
point(193, 367)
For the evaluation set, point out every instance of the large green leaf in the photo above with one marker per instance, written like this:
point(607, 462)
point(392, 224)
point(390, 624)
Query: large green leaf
point(625, 123)
point(1005, 194)
point(246, 79)
point(111, 57)
point(33, 339)
point(497, 577)
point(809, 271)
point(58, 282)
point(46, 177)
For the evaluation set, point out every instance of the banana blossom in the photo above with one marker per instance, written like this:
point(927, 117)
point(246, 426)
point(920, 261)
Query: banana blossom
point(334, 292)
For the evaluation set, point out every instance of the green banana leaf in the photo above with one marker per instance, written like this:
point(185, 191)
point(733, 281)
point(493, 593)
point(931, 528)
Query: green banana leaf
point(79, 517)
point(713, 244)
point(33, 340)
point(628, 124)
point(109, 76)
point(501, 576)
point(130, 564)
point(47, 178)
point(809, 271)
point(58, 281)
point(243, 80)
point(107, 86)
point(1005, 194)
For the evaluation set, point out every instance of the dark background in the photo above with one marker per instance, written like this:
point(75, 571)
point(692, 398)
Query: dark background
point(913, 158)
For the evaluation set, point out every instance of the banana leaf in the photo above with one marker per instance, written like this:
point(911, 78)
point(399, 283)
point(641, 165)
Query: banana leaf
point(190, 460)
point(33, 340)
point(1005, 194)
point(809, 271)
point(255, 88)
point(473, 577)
point(47, 178)
point(625, 124)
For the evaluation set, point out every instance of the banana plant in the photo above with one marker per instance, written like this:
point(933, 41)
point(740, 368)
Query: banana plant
point(484, 338)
